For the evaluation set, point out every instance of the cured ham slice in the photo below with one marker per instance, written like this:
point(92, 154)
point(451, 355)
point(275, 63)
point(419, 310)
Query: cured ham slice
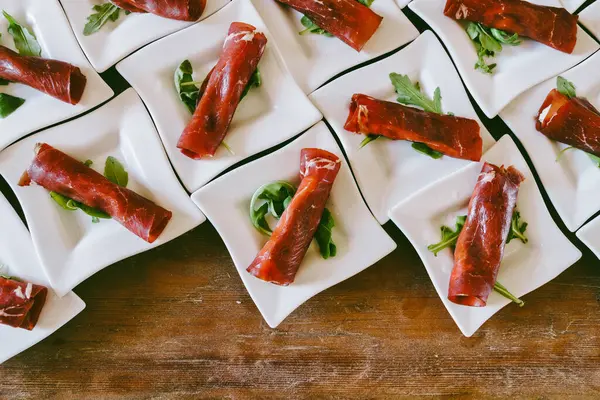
point(21, 303)
point(481, 242)
point(454, 136)
point(242, 50)
point(58, 172)
point(58, 79)
point(573, 121)
point(183, 10)
point(281, 256)
point(552, 26)
point(348, 20)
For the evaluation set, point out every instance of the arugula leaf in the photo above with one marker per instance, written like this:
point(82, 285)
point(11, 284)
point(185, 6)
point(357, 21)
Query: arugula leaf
point(449, 237)
point(24, 39)
point(565, 87)
point(72, 205)
point(255, 81)
point(594, 158)
point(488, 42)
point(277, 195)
point(88, 163)
point(115, 172)
point(311, 27)
point(8, 104)
point(366, 2)
point(517, 228)
point(103, 13)
point(323, 235)
point(410, 94)
point(368, 139)
point(428, 151)
point(189, 93)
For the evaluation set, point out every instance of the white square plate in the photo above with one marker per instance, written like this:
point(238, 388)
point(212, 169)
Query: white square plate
point(71, 248)
point(360, 240)
point(47, 21)
point(589, 234)
point(402, 3)
point(267, 116)
point(116, 40)
point(590, 18)
point(519, 67)
point(525, 267)
point(573, 182)
point(314, 59)
point(17, 255)
point(571, 5)
point(389, 171)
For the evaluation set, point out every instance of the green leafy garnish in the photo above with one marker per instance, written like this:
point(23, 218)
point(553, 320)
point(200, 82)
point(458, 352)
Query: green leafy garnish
point(88, 163)
point(8, 104)
point(24, 39)
point(103, 13)
point(311, 27)
point(255, 81)
point(189, 93)
point(410, 94)
point(323, 235)
point(449, 238)
point(71, 205)
point(428, 151)
point(115, 172)
point(277, 196)
point(488, 42)
point(565, 87)
point(368, 139)
point(366, 2)
point(594, 158)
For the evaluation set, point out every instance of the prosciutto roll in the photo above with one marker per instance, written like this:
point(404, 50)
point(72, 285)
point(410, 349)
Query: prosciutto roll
point(21, 303)
point(58, 172)
point(281, 256)
point(58, 79)
point(242, 50)
point(348, 20)
point(481, 242)
point(573, 121)
point(552, 26)
point(183, 10)
point(454, 136)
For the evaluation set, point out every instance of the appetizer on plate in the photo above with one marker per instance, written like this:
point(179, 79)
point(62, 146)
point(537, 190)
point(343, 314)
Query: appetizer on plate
point(352, 21)
point(222, 91)
point(304, 214)
point(20, 302)
point(569, 119)
point(487, 228)
point(497, 22)
point(87, 189)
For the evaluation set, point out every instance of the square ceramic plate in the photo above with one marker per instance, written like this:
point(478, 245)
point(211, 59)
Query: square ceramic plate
point(389, 171)
point(590, 18)
point(71, 247)
point(519, 67)
point(267, 116)
point(402, 3)
point(48, 23)
point(314, 59)
point(17, 256)
point(572, 182)
point(571, 5)
point(116, 40)
point(589, 234)
point(360, 240)
point(525, 267)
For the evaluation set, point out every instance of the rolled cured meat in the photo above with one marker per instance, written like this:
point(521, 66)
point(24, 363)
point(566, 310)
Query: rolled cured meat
point(242, 50)
point(58, 79)
point(183, 10)
point(348, 20)
point(481, 242)
point(21, 303)
point(58, 172)
point(281, 256)
point(552, 26)
point(454, 136)
point(573, 121)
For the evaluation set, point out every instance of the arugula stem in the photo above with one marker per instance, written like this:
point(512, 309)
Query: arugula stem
point(498, 287)
point(563, 151)
point(436, 248)
point(368, 139)
point(192, 83)
point(229, 149)
point(305, 31)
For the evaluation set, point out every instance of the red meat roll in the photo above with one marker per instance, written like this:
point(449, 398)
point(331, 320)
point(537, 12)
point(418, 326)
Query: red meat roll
point(58, 172)
point(454, 136)
point(552, 26)
point(481, 242)
point(573, 121)
point(281, 256)
point(58, 79)
point(21, 303)
point(183, 10)
point(348, 20)
point(223, 88)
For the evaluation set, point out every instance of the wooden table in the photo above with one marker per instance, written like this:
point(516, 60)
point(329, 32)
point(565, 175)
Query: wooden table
point(177, 322)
